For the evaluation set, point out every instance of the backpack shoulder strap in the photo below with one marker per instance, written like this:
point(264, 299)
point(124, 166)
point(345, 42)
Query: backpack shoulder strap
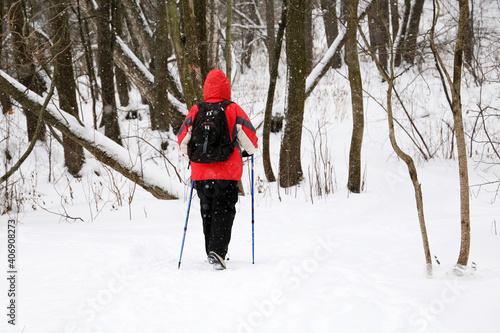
point(202, 106)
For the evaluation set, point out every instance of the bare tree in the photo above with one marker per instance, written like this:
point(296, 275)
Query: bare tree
point(212, 34)
point(330, 19)
point(249, 37)
point(229, 21)
point(122, 83)
point(160, 105)
point(308, 35)
point(290, 161)
point(189, 74)
point(83, 30)
point(200, 13)
point(270, 94)
point(389, 76)
point(378, 23)
point(23, 58)
point(65, 80)
point(138, 27)
point(401, 34)
point(452, 87)
point(394, 9)
point(105, 61)
point(408, 44)
point(351, 58)
point(4, 98)
point(270, 40)
point(192, 45)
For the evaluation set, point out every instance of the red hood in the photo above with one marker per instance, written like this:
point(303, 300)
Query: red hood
point(217, 87)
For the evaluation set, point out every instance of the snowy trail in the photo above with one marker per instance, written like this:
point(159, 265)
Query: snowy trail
point(355, 264)
point(343, 264)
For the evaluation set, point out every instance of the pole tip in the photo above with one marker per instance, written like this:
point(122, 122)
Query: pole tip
point(179, 266)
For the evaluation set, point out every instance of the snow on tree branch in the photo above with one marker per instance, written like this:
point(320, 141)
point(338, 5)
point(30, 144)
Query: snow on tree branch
point(146, 175)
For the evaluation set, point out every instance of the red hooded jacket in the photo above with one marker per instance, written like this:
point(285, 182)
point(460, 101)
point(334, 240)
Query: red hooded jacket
point(217, 88)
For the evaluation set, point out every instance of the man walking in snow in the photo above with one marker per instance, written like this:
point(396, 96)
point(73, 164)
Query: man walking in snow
point(214, 136)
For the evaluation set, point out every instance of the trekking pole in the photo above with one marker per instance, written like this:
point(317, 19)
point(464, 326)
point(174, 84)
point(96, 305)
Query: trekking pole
point(186, 225)
point(253, 219)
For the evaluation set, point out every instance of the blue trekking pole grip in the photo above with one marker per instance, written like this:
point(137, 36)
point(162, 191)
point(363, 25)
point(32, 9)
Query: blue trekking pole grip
point(186, 225)
point(253, 218)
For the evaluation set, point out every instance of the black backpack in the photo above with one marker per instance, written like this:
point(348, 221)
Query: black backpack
point(210, 139)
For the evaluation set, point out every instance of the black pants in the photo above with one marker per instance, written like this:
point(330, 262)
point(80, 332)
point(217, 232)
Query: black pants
point(217, 200)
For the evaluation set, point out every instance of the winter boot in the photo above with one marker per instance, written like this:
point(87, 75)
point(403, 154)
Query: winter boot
point(216, 261)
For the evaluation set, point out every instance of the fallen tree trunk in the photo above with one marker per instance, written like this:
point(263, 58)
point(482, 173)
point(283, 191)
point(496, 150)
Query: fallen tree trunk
point(327, 60)
point(135, 70)
point(104, 149)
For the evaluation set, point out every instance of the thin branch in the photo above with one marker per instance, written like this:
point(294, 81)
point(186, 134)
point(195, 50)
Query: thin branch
point(33, 141)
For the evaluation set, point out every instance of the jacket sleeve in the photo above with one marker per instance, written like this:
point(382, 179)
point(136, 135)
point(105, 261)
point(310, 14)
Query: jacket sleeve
point(245, 132)
point(184, 134)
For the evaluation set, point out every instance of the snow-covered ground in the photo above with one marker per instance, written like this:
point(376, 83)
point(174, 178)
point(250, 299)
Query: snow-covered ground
point(341, 264)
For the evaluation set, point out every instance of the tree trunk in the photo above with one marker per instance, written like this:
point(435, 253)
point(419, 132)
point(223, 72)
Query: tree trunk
point(270, 40)
point(378, 23)
point(200, 12)
point(160, 106)
point(401, 35)
point(290, 161)
point(105, 68)
point(248, 38)
point(65, 81)
point(141, 35)
point(324, 64)
point(191, 90)
point(330, 19)
point(412, 170)
point(394, 18)
point(308, 35)
point(410, 41)
point(270, 95)
point(138, 28)
point(122, 84)
point(453, 86)
point(463, 21)
point(469, 39)
point(351, 58)
point(390, 78)
point(4, 98)
point(229, 20)
point(26, 70)
point(83, 27)
point(192, 46)
point(213, 35)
